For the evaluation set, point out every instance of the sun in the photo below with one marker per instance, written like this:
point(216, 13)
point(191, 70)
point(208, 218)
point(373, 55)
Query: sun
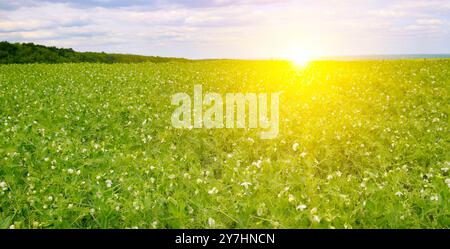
point(300, 61)
point(299, 58)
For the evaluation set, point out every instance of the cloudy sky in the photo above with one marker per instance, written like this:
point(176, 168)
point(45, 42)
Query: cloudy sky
point(231, 29)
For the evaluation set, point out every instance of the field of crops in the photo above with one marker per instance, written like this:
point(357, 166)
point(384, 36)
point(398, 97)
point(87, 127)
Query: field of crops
point(362, 144)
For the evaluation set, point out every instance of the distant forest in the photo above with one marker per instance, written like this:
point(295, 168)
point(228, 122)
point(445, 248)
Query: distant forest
point(32, 53)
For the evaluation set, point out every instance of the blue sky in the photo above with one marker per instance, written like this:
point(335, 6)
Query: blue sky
point(231, 29)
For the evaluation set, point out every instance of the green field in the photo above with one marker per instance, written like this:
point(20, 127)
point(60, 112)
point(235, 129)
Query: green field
point(362, 144)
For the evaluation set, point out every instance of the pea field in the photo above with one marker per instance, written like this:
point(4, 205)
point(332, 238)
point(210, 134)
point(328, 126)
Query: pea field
point(361, 144)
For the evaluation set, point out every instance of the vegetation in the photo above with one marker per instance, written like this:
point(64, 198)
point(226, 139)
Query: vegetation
point(362, 145)
point(32, 53)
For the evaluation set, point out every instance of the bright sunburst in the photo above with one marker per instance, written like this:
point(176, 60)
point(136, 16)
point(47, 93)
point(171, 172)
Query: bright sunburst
point(299, 58)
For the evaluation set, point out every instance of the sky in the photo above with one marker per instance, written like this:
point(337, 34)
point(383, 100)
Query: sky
point(232, 29)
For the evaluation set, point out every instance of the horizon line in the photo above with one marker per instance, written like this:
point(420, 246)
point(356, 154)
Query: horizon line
point(418, 55)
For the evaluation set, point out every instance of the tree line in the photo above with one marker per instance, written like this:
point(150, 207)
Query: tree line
point(33, 53)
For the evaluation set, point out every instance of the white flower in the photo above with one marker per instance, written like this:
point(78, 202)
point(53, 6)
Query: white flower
point(213, 191)
point(447, 181)
point(295, 146)
point(303, 154)
point(211, 222)
point(70, 206)
point(301, 207)
point(257, 164)
point(12, 226)
point(399, 194)
point(316, 218)
point(50, 198)
point(70, 171)
point(245, 184)
point(445, 169)
point(291, 198)
point(434, 198)
point(3, 184)
point(108, 183)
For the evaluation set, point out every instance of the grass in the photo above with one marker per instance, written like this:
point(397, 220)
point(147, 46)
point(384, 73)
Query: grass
point(362, 145)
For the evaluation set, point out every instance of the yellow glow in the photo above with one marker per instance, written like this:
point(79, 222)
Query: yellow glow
point(299, 58)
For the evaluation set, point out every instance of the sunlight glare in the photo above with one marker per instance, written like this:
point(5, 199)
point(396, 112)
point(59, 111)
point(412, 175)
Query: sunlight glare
point(299, 58)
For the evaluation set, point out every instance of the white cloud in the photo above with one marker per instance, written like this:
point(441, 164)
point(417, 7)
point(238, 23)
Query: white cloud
point(432, 21)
